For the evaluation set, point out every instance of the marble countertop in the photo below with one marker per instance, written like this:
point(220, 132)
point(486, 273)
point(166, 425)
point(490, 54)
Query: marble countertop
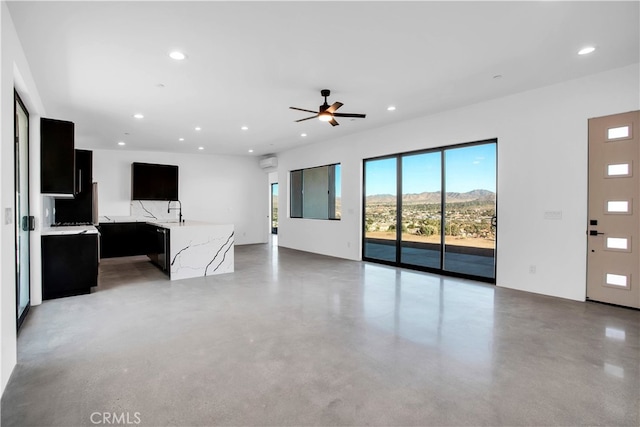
point(176, 224)
point(173, 223)
point(65, 230)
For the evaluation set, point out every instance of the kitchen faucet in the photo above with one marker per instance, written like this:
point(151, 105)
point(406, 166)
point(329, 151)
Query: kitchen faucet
point(169, 209)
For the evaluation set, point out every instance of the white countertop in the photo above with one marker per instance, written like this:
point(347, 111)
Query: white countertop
point(175, 224)
point(171, 224)
point(65, 230)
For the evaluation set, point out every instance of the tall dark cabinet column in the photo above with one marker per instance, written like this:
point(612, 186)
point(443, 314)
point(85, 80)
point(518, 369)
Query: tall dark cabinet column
point(80, 208)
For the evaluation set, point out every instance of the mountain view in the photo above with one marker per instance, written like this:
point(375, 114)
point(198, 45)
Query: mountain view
point(467, 217)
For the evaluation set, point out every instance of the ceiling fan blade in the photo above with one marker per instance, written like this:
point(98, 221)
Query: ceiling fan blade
point(302, 109)
point(357, 116)
point(333, 122)
point(308, 118)
point(334, 107)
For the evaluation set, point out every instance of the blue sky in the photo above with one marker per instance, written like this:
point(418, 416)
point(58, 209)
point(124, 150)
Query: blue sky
point(467, 168)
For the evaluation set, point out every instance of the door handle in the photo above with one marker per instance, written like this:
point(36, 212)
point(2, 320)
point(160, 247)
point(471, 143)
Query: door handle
point(28, 223)
point(594, 233)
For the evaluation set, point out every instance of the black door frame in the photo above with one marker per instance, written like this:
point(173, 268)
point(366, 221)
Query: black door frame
point(16, 154)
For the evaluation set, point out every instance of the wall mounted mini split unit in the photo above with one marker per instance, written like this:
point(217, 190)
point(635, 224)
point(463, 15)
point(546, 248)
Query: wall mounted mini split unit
point(269, 162)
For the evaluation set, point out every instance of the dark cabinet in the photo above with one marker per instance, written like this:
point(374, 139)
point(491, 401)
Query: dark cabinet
point(57, 157)
point(69, 264)
point(118, 239)
point(80, 208)
point(154, 182)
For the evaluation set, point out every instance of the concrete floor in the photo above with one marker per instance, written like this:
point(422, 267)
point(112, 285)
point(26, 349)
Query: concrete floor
point(293, 338)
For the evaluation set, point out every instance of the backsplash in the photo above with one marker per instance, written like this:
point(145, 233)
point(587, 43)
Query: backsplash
point(154, 209)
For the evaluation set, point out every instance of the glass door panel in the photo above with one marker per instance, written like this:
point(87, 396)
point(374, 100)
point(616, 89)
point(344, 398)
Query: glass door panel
point(380, 209)
point(22, 219)
point(420, 241)
point(470, 206)
point(274, 208)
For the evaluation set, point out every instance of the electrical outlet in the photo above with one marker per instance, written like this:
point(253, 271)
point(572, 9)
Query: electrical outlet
point(532, 269)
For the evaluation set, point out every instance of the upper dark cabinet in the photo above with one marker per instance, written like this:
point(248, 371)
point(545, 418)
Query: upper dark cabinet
point(154, 182)
point(57, 157)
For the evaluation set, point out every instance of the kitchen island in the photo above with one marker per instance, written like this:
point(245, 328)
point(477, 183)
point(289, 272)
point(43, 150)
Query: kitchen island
point(182, 249)
point(198, 248)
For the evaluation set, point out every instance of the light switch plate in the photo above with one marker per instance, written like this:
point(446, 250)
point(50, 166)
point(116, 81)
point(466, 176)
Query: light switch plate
point(8, 216)
point(553, 215)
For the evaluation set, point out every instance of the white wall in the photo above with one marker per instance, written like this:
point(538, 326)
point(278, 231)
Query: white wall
point(542, 166)
point(213, 188)
point(15, 73)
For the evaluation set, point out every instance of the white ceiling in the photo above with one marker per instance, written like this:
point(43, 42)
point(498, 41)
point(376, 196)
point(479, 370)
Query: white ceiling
point(98, 63)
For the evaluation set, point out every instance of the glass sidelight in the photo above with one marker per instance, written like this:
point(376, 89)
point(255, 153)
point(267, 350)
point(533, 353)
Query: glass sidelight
point(23, 222)
point(433, 210)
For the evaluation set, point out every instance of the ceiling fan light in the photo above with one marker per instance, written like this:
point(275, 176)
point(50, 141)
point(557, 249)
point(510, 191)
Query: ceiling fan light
point(324, 117)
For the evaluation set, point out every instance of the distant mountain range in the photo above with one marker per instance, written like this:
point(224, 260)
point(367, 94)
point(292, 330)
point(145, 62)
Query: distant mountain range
point(434, 197)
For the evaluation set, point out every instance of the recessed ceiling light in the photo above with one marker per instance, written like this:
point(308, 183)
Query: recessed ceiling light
point(303, 135)
point(121, 143)
point(200, 148)
point(391, 108)
point(180, 139)
point(251, 151)
point(138, 116)
point(177, 55)
point(244, 128)
point(586, 50)
point(198, 128)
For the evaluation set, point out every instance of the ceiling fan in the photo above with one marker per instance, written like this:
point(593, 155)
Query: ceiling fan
point(326, 112)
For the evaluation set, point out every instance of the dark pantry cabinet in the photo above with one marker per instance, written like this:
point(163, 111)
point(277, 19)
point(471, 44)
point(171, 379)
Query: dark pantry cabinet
point(57, 157)
point(80, 208)
point(69, 264)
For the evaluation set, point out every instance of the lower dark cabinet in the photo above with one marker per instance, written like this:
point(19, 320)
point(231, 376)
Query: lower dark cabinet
point(69, 265)
point(118, 239)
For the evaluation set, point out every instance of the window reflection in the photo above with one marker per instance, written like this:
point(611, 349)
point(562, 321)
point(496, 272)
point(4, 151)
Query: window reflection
point(431, 311)
point(614, 333)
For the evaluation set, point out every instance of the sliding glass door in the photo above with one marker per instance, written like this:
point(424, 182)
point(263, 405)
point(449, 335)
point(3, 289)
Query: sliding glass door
point(470, 206)
point(433, 210)
point(22, 219)
point(421, 238)
point(381, 209)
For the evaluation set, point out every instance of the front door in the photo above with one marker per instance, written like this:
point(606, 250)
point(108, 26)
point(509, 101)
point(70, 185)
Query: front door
point(613, 232)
